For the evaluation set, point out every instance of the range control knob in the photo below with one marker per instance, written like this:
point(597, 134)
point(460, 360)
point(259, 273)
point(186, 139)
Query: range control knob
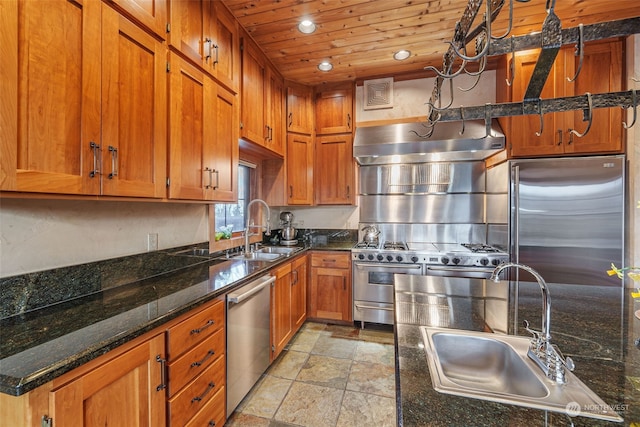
point(361, 256)
point(370, 257)
point(456, 260)
point(399, 258)
point(414, 258)
point(380, 257)
point(444, 260)
point(484, 261)
point(389, 258)
point(495, 262)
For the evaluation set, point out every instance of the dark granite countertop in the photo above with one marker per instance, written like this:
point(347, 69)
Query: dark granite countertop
point(594, 325)
point(54, 321)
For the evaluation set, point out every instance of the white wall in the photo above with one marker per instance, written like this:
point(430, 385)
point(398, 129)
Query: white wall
point(38, 235)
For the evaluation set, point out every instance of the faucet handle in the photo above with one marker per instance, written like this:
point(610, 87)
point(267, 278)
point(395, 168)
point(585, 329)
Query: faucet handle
point(536, 334)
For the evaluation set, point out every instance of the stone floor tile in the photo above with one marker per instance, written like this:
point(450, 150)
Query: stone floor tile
point(304, 340)
point(334, 347)
point(239, 419)
point(377, 334)
point(364, 410)
point(288, 364)
point(373, 352)
point(310, 405)
point(325, 371)
point(372, 378)
point(267, 397)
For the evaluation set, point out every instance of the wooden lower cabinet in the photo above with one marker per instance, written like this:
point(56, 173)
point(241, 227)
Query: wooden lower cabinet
point(330, 295)
point(122, 391)
point(288, 303)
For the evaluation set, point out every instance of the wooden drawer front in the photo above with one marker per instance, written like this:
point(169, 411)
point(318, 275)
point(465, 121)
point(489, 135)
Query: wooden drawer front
point(186, 334)
point(196, 396)
point(330, 260)
point(192, 363)
point(212, 414)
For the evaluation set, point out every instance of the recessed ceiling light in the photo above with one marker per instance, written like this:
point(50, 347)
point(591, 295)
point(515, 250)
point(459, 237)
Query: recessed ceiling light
point(325, 66)
point(401, 55)
point(306, 27)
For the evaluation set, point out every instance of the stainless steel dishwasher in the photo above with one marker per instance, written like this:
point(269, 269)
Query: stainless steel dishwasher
point(248, 343)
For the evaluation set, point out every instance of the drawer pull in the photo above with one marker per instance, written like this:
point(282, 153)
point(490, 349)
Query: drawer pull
point(204, 359)
point(197, 331)
point(212, 423)
point(211, 386)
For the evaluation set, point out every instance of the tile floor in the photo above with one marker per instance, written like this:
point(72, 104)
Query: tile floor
point(328, 376)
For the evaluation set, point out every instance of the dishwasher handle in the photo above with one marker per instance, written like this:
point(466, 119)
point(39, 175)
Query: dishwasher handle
point(239, 297)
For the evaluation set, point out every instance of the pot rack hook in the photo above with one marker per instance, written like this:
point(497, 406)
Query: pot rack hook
point(485, 50)
point(462, 118)
point(635, 110)
point(433, 107)
point(512, 66)
point(589, 114)
point(541, 117)
point(579, 51)
point(430, 125)
point(447, 76)
point(510, 26)
point(476, 74)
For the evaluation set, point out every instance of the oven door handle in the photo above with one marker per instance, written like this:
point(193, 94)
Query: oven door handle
point(396, 266)
point(461, 270)
point(373, 308)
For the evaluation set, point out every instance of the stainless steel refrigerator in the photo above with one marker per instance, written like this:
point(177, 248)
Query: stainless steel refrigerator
point(567, 221)
point(567, 217)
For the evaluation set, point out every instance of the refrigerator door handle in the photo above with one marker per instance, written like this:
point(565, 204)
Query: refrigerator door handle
point(515, 248)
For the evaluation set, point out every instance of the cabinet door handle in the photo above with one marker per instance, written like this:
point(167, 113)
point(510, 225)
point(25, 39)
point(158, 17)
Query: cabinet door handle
point(290, 119)
point(202, 328)
point(210, 387)
point(291, 191)
point(295, 280)
point(207, 40)
point(163, 373)
point(210, 172)
point(217, 172)
point(348, 120)
point(204, 359)
point(570, 137)
point(348, 191)
point(114, 162)
point(215, 46)
point(344, 283)
point(559, 137)
point(96, 159)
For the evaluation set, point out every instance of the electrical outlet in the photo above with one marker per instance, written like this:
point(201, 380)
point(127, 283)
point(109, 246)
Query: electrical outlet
point(152, 242)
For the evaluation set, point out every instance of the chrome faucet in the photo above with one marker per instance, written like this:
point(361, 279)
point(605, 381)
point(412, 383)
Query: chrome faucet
point(546, 355)
point(247, 230)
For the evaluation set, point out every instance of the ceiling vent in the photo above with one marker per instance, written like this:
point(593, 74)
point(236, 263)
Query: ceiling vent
point(378, 93)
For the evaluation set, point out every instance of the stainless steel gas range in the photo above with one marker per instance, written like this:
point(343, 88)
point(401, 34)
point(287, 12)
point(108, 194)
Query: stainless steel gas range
point(454, 270)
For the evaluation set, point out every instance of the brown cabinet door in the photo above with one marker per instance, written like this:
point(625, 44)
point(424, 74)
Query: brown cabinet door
point(187, 29)
point(299, 169)
point(275, 112)
point(334, 111)
point(253, 89)
point(191, 120)
point(299, 292)
point(225, 59)
point(282, 326)
point(134, 112)
point(334, 177)
point(225, 147)
point(299, 109)
point(601, 73)
point(330, 296)
point(149, 13)
point(120, 392)
point(523, 140)
point(50, 91)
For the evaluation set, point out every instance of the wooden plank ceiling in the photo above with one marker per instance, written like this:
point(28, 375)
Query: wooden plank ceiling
point(359, 37)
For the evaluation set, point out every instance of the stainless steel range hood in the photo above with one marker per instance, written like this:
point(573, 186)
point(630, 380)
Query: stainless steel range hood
point(401, 143)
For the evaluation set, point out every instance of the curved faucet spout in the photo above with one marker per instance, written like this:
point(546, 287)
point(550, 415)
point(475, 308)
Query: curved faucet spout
point(247, 232)
point(546, 298)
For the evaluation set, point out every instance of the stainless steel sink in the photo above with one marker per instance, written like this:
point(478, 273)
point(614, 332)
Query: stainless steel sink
point(277, 250)
point(258, 256)
point(496, 368)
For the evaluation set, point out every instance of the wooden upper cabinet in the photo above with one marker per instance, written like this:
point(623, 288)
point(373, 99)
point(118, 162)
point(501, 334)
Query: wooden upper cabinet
point(299, 161)
point(252, 114)
point(134, 109)
point(275, 100)
point(601, 73)
point(334, 111)
point(299, 108)
point(121, 391)
point(192, 100)
point(149, 13)
point(205, 32)
point(225, 147)
point(335, 170)
point(50, 90)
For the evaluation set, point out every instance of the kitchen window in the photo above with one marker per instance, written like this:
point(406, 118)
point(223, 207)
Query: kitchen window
point(234, 214)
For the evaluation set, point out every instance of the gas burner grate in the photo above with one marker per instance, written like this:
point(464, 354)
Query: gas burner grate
point(480, 248)
point(366, 245)
point(395, 246)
